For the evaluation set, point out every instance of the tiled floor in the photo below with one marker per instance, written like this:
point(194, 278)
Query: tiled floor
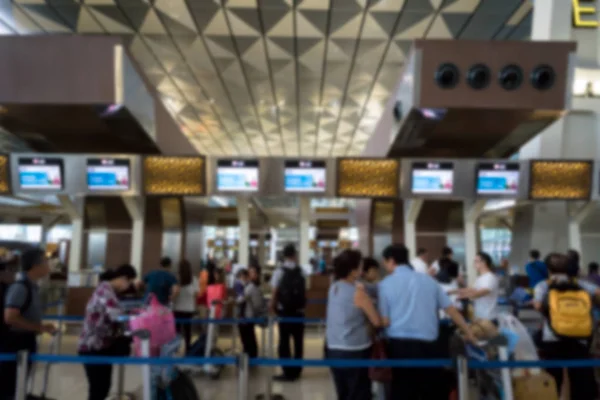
point(68, 382)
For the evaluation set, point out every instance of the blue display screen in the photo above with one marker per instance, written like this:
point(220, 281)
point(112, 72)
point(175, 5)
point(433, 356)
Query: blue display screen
point(108, 174)
point(237, 176)
point(433, 178)
point(41, 173)
point(305, 176)
point(498, 178)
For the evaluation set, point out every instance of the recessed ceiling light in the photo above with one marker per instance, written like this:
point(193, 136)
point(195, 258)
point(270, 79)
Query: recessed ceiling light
point(282, 225)
point(211, 101)
point(281, 104)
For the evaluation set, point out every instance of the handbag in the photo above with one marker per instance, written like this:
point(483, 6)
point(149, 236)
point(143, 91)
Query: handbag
point(379, 352)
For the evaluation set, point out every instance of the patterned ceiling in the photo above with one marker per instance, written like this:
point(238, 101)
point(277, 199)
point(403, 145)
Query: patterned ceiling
point(273, 77)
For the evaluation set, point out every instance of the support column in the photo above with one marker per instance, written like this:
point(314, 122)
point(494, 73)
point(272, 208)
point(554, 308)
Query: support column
point(471, 213)
point(261, 249)
point(47, 223)
point(304, 228)
point(244, 221)
point(579, 214)
point(273, 247)
point(552, 20)
point(74, 207)
point(412, 208)
point(136, 207)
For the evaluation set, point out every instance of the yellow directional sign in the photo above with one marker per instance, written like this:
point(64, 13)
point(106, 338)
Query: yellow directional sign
point(584, 14)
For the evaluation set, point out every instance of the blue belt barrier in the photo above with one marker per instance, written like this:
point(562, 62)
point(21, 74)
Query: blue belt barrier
point(415, 363)
point(133, 360)
point(203, 321)
point(432, 363)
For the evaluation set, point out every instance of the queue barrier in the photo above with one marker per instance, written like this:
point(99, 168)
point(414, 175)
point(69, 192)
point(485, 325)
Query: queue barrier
point(243, 362)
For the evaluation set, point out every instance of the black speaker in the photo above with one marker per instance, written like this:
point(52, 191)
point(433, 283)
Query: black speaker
point(479, 76)
point(542, 77)
point(510, 77)
point(447, 76)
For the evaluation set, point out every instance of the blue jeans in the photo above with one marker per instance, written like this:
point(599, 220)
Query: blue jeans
point(351, 383)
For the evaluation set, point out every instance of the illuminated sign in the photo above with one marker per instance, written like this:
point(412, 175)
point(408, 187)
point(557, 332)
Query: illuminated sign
point(584, 14)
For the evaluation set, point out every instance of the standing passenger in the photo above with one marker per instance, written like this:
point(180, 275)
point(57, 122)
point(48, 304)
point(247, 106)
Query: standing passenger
point(486, 290)
point(409, 303)
point(447, 253)
point(22, 320)
point(536, 269)
point(371, 276)
point(288, 300)
point(348, 332)
point(185, 303)
point(420, 263)
point(253, 306)
point(99, 336)
point(162, 283)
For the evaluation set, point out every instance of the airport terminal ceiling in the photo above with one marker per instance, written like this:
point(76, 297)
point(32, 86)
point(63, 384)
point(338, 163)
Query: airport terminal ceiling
point(273, 77)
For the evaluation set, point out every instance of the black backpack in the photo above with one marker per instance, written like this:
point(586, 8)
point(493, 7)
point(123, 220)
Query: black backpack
point(4, 328)
point(291, 293)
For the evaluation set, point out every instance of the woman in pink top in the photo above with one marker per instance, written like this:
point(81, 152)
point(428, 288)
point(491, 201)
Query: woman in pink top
point(99, 336)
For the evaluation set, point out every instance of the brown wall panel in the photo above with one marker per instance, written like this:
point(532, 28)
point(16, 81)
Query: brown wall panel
point(152, 235)
point(118, 249)
point(57, 69)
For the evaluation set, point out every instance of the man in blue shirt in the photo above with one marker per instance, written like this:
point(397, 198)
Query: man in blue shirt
point(162, 283)
point(536, 269)
point(409, 303)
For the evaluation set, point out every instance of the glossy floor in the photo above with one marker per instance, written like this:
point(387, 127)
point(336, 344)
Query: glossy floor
point(67, 381)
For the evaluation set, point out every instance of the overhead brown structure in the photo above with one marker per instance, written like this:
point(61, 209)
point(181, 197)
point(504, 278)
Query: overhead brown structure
point(82, 94)
point(461, 98)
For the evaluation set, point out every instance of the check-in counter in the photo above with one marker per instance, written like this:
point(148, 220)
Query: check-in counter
point(316, 296)
point(81, 286)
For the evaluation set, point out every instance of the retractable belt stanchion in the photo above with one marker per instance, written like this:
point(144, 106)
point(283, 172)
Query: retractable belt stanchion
point(243, 372)
point(61, 313)
point(146, 368)
point(463, 378)
point(234, 330)
point(22, 367)
point(505, 373)
point(268, 394)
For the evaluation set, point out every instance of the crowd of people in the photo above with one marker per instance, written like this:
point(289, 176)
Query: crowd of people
point(403, 307)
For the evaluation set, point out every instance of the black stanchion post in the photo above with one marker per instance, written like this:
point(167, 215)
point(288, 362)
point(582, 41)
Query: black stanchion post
point(21, 384)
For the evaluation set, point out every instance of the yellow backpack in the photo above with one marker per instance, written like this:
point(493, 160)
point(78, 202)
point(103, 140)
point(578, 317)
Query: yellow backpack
point(569, 310)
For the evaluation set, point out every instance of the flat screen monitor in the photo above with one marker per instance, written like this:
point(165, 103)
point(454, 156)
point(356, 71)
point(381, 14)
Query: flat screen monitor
point(108, 174)
point(305, 176)
point(40, 173)
point(432, 177)
point(498, 178)
point(237, 175)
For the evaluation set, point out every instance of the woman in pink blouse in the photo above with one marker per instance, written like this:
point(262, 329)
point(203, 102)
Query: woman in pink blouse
point(99, 336)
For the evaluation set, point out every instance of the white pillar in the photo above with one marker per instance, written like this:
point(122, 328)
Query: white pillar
point(136, 207)
point(74, 207)
point(471, 213)
point(261, 249)
point(47, 223)
point(578, 216)
point(304, 227)
point(552, 20)
point(244, 221)
point(412, 209)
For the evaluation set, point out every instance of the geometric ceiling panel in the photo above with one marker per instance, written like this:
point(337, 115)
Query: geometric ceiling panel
point(273, 77)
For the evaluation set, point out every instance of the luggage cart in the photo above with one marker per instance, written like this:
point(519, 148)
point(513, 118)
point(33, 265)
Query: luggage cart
point(491, 384)
point(206, 345)
point(53, 349)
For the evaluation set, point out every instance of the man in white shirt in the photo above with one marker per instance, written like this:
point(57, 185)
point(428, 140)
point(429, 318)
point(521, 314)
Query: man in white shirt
point(421, 262)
